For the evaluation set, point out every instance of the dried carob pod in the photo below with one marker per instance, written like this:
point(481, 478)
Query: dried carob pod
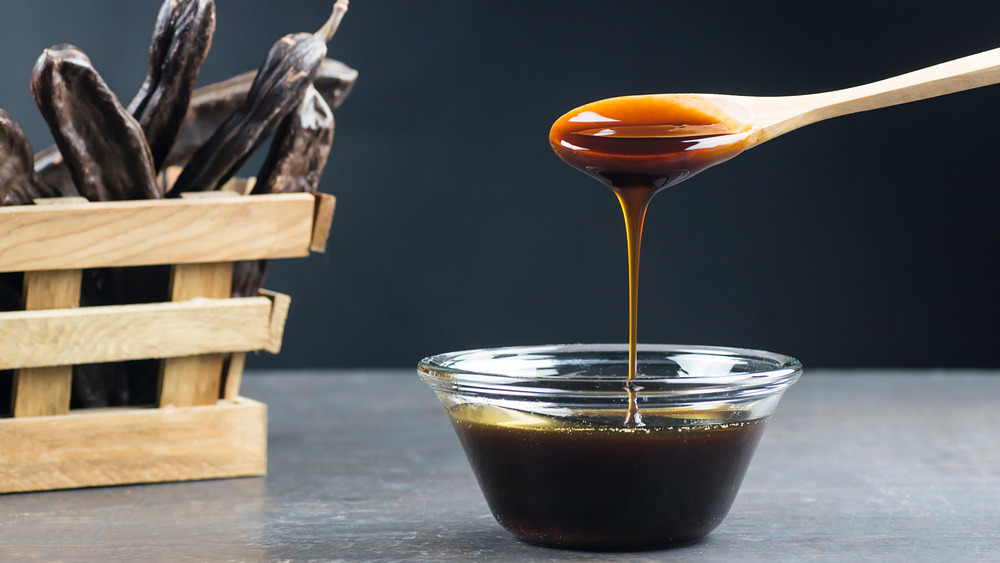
point(295, 163)
point(181, 40)
point(106, 153)
point(51, 170)
point(211, 105)
point(108, 384)
point(103, 146)
point(18, 184)
point(277, 89)
point(248, 277)
point(299, 150)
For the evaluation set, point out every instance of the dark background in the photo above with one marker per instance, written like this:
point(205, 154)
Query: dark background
point(869, 240)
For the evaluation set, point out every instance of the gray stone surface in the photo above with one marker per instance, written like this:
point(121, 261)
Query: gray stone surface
point(854, 466)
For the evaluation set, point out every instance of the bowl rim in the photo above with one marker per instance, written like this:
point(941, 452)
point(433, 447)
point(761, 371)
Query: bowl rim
point(444, 372)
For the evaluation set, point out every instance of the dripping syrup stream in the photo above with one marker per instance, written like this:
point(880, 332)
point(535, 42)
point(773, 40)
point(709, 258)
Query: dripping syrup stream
point(637, 146)
point(634, 201)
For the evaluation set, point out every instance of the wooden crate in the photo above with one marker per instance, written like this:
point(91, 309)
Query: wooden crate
point(190, 433)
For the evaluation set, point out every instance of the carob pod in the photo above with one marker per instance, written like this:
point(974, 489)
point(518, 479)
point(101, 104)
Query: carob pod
point(51, 170)
point(102, 145)
point(119, 383)
point(106, 153)
point(248, 277)
point(299, 150)
point(181, 40)
point(295, 163)
point(277, 89)
point(211, 105)
point(18, 184)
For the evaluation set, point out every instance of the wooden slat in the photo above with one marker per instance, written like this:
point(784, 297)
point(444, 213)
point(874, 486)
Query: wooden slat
point(170, 175)
point(52, 290)
point(46, 390)
point(242, 186)
point(279, 314)
point(176, 231)
point(191, 281)
point(234, 376)
point(59, 200)
point(195, 380)
point(130, 332)
point(119, 446)
point(190, 380)
point(210, 195)
point(325, 206)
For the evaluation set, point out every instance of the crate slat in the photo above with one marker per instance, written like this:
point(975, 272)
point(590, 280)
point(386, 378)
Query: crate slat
point(279, 314)
point(137, 233)
point(234, 375)
point(121, 446)
point(45, 391)
point(322, 219)
point(131, 332)
point(194, 380)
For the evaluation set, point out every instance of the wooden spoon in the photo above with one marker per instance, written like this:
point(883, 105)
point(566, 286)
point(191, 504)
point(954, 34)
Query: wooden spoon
point(769, 117)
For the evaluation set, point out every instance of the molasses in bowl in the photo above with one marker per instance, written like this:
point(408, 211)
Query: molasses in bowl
point(571, 453)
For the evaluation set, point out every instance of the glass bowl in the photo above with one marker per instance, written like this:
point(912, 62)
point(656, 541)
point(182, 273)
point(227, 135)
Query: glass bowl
point(561, 462)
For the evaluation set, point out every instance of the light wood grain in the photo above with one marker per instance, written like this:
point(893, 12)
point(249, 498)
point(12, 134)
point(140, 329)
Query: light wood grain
point(234, 375)
point(215, 194)
point(195, 380)
point(190, 381)
point(191, 281)
point(323, 218)
point(131, 332)
point(52, 290)
point(764, 118)
point(42, 391)
point(279, 314)
point(46, 390)
point(775, 116)
point(175, 231)
point(170, 175)
point(119, 446)
point(59, 200)
point(241, 186)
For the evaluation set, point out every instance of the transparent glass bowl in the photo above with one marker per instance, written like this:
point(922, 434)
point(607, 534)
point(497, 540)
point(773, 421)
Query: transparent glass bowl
point(544, 428)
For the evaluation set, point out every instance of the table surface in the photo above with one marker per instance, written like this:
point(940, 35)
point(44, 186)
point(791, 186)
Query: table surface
point(855, 465)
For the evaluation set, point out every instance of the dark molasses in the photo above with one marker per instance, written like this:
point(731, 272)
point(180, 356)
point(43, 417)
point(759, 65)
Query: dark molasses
point(594, 484)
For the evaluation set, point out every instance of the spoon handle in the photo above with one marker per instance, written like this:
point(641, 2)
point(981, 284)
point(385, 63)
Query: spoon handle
point(966, 73)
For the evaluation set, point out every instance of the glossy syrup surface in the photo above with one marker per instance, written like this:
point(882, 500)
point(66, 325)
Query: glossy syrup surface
point(645, 142)
point(638, 145)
